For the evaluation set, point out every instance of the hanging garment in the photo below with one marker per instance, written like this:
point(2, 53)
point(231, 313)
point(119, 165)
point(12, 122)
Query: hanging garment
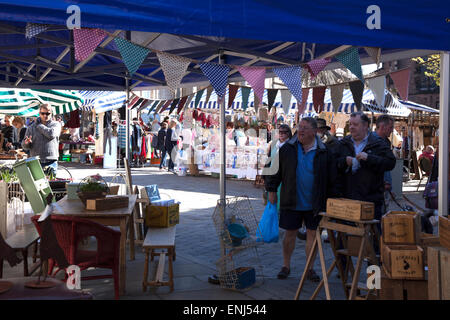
point(202, 118)
point(107, 119)
point(195, 115)
point(107, 134)
point(122, 113)
point(122, 136)
point(74, 120)
point(208, 121)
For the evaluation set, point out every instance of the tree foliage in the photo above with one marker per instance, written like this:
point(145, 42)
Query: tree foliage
point(432, 63)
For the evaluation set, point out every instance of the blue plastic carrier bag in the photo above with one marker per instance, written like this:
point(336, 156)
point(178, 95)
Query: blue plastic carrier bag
point(268, 225)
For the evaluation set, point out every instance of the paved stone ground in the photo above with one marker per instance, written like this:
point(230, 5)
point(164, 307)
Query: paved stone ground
point(198, 247)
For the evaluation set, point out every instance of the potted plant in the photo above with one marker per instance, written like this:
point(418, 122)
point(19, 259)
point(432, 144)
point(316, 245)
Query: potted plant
point(92, 187)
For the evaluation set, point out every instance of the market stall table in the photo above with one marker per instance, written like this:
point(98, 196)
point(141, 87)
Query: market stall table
point(116, 217)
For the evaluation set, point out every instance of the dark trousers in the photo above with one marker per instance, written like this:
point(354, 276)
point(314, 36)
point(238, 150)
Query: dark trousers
point(171, 164)
point(163, 157)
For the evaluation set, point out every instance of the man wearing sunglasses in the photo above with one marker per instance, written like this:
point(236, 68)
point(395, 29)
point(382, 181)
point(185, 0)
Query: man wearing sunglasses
point(42, 139)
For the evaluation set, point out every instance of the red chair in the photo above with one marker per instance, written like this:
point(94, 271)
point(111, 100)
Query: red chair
point(70, 231)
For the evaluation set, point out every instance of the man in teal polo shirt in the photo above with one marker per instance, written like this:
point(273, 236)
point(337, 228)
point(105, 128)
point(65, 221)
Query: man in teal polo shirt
point(306, 172)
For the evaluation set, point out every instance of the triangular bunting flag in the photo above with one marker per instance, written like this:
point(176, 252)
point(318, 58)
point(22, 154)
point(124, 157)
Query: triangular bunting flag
point(209, 91)
point(85, 41)
point(302, 107)
point(378, 87)
point(154, 105)
point(161, 104)
point(232, 91)
point(33, 29)
point(188, 102)
point(292, 78)
point(174, 68)
point(357, 89)
point(350, 59)
point(132, 55)
point(174, 104)
point(318, 98)
point(401, 82)
point(181, 104)
point(271, 96)
point(255, 76)
point(217, 74)
point(198, 97)
point(245, 92)
point(145, 104)
point(315, 66)
point(337, 93)
point(166, 105)
point(374, 53)
point(256, 101)
point(286, 97)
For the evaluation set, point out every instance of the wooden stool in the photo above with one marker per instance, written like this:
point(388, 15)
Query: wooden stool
point(367, 230)
point(21, 241)
point(159, 239)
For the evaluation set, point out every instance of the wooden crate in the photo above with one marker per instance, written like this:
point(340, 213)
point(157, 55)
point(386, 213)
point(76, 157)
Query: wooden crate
point(108, 203)
point(395, 289)
point(428, 240)
point(403, 262)
point(401, 227)
point(350, 209)
point(444, 232)
point(162, 216)
point(438, 273)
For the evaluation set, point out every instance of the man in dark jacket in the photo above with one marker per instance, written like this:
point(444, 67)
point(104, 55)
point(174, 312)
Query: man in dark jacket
point(162, 142)
point(362, 159)
point(305, 171)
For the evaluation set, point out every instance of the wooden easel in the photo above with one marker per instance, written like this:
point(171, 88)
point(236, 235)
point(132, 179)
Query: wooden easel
point(368, 232)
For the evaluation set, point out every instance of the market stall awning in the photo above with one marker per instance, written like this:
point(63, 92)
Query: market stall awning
point(25, 102)
point(103, 101)
point(419, 107)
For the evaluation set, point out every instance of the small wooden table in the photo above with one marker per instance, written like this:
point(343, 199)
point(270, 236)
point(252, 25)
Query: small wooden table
point(121, 217)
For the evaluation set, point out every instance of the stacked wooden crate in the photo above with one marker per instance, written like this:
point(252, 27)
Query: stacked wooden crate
point(439, 264)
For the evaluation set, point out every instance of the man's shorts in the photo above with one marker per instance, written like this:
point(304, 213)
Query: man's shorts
point(292, 220)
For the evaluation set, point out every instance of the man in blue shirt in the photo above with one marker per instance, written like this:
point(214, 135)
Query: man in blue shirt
point(305, 173)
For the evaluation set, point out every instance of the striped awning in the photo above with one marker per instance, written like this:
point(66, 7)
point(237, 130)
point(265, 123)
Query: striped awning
point(419, 107)
point(26, 102)
point(103, 101)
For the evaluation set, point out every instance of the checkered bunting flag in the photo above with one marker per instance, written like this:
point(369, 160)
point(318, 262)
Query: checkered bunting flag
point(85, 41)
point(174, 68)
point(255, 77)
point(292, 78)
point(33, 29)
point(217, 74)
point(315, 66)
point(350, 59)
point(132, 55)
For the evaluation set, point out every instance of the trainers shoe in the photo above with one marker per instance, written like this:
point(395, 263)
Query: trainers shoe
point(312, 276)
point(283, 274)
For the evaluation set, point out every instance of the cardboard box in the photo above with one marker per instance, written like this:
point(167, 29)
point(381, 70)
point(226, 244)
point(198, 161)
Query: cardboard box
point(403, 262)
point(444, 232)
point(162, 216)
point(401, 227)
point(438, 273)
point(350, 209)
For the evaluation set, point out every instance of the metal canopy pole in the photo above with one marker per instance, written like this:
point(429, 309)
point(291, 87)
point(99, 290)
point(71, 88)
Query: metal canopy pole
point(444, 133)
point(222, 143)
point(127, 111)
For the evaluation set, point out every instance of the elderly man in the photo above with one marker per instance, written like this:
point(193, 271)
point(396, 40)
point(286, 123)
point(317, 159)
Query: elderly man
point(305, 174)
point(42, 138)
point(362, 159)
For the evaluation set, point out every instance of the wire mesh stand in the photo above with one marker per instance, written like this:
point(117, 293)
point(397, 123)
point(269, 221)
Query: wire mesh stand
point(240, 267)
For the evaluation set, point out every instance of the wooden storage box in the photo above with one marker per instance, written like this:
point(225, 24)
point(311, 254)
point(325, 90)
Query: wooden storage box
point(444, 232)
point(428, 240)
point(438, 273)
point(350, 209)
point(162, 216)
point(401, 227)
point(108, 203)
point(403, 262)
point(395, 289)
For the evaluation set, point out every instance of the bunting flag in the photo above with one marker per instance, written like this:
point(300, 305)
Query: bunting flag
point(132, 101)
point(401, 82)
point(255, 77)
point(168, 102)
point(315, 66)
point(292, 78)
point(302, 107)
point(132, 55)
point(378, 87)
point(174, 68)
point(374, 53)
point(232, 91)
point(161, 104)
point(153, 107)
point(245, 92)
point(286, 97)
point(198, 97)
point(357, 89)
point(208, 94)
point(217, 74)
point(271, 96)
point(256, 102)
point(85, 41)
point(33, 29)
point(145, 104)
point(188, 102)
point(318, 98)
point(181, 104)
point(174, 104)
point(337, 92)
point(350, 59)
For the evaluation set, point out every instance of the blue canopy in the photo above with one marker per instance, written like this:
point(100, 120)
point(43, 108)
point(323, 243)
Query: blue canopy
point(257, 33)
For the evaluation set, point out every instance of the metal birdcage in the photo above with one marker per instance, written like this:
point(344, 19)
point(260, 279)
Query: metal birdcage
point(16, 200)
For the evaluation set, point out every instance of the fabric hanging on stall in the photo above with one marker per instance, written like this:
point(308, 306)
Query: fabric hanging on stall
point(122, 135)
point(318, 98)
point(122, 113)
point(357, 89)
point(74, 120)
